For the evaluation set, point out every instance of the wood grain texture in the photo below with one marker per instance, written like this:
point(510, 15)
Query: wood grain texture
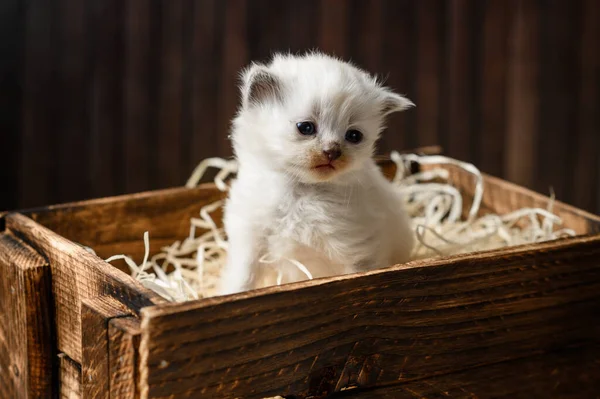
point(587, 140)
point(204, 53)
point(165, 214)
point(428, 71)
point(26, 340)
point(393, 325)
point(137, 94)
point(460, 94)
point(302, 31)
point(558, 98)
point(261, 42)
point(169, 157)
point(73, 117)
point(37, 171)
point(234, 58)
point(566, 374)
point(494, 52)
point(105, 110)
point(123, 355)
point(12, 25)
point(398, 58)
point(69, 378)
point(77, 275)
point(96, 313)
point(333, 27)
point(520, 154)
point(105, 65)
point(366, 35)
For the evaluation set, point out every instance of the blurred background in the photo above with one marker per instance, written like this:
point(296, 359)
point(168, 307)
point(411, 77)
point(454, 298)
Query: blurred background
point(104, 97)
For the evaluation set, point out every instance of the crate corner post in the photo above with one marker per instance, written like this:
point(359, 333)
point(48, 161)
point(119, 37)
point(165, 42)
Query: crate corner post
point(27, 344)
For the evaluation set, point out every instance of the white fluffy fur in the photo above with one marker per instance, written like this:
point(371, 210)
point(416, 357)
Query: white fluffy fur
point(333, 221)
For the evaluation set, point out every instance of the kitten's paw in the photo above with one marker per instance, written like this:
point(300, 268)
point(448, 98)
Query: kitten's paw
point(227, 289)
point(231, 285)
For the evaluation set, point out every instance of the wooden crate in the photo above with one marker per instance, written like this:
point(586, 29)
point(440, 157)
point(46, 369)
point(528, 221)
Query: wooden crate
point(520, 322)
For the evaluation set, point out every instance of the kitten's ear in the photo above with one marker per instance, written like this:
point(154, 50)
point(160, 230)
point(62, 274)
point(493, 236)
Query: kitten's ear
point(393, 102)
point(259, 85)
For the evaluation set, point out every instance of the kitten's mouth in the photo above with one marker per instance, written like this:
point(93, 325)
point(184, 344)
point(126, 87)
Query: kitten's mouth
point(325, 166)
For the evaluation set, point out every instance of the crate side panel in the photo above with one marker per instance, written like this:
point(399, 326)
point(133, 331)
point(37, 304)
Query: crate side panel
point(117, 225)
point(123, 355)
point(69, 378)
point(77, 275)
point(96, 314)
point(26, 339)
point(387, 326)
point(570, 373)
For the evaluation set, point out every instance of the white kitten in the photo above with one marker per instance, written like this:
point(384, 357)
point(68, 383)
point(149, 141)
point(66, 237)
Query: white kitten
point(307, 187)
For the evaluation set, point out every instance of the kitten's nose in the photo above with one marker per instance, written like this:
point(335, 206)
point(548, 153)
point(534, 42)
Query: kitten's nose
point(332, 153)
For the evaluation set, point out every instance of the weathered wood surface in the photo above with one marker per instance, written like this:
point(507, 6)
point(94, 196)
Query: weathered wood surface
point(69, 378)
point(118, 223)
point(394, 325)
point(567, 374)
point(77, 275)
point(111, 68)
point(26, 342)
point(96, 313)
point(123, 355)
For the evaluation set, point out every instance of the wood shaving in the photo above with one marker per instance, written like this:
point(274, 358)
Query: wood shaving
point(190, 269)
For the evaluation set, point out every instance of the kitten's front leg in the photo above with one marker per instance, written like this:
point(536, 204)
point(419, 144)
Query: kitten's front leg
point(242, 258)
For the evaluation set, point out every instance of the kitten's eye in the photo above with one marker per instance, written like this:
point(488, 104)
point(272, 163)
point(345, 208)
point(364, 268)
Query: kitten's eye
point(306, 128)
point(354, 136)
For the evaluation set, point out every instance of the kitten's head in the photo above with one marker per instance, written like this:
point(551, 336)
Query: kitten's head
point(313, 117)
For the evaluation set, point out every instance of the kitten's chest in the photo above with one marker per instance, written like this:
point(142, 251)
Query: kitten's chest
point(321, 218)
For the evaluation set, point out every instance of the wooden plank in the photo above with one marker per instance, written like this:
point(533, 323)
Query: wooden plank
point(428, 71)
point(460, 77)
point(302, 26)
point(386, 326)
point(77, 275)
point(584, 173)
point(494, 53)
point(99, 223)
point(557, 96)
point(138, 64)
point(205, 63)
point(123, 354)
point(96, 313)
point(567, 374)
point(73, 78)
point(234, 58)
point(169, 157)
point(520, 157)
point(333, 27)
point(107, 164)
point(26, 342)
point(39, 120)
point(69, 378)
point(263, 42)
point(399, 63)
point(366, 35)
point(12, 25)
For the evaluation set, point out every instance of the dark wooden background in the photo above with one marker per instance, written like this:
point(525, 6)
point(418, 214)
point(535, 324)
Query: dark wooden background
point(102, 97)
